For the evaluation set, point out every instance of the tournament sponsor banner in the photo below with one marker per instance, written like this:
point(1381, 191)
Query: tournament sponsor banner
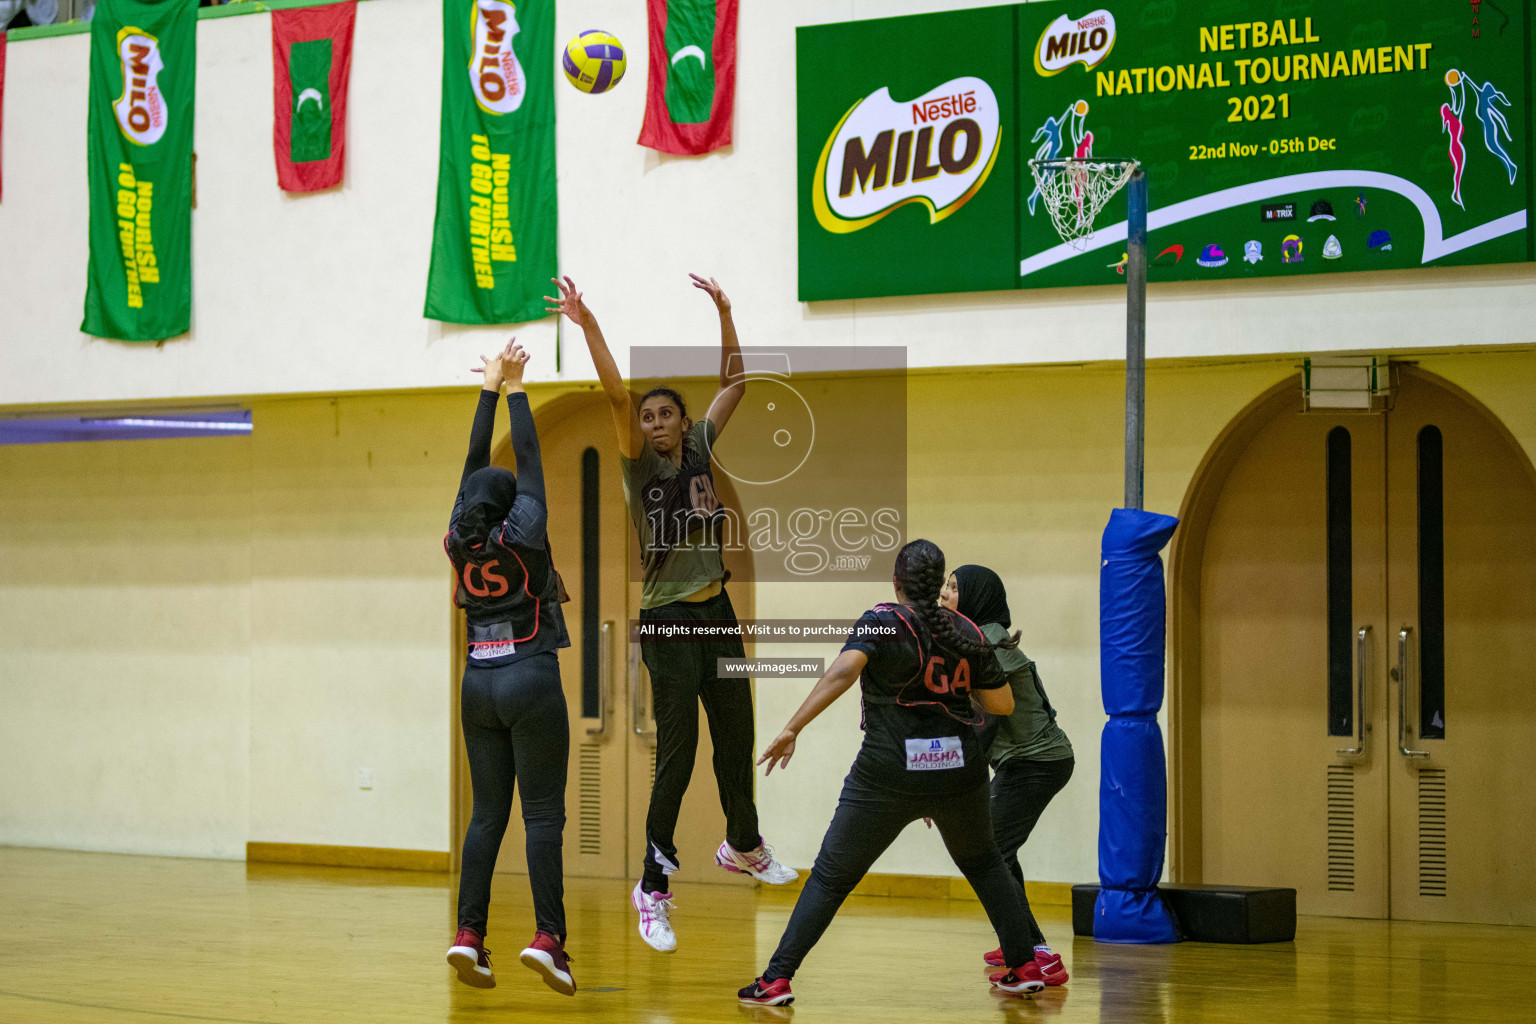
point(493, 244)
point(1279, 137)
point(908, 168)
point(139, 166)
point(311, 65)
point(690, 96)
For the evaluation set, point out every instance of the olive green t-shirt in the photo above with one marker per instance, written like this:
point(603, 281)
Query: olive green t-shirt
point(659, 493)
point(1031, 730)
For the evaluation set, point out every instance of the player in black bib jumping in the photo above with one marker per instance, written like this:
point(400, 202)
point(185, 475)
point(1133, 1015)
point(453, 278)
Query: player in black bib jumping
point(513, 709)
point(920, 668)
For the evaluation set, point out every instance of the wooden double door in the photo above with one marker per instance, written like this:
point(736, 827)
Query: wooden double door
point(607, 689)
point(1367, 662)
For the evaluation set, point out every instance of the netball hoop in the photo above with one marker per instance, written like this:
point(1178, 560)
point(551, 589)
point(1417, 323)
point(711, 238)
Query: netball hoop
point(1074, 190)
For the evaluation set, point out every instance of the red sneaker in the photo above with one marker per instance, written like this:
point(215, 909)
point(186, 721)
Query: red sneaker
point(1021, 981)
point(1052, 970)
point(468, 956)
point(767, 993)
point(546, 955)
point(994, 958)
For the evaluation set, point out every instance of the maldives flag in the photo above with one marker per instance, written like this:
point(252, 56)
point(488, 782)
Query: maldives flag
point(311, 62)
point(690, 94)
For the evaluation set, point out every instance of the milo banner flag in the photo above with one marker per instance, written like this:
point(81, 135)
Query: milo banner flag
point(493, 245)
point(139, 164)
point(311, 62)
point(690, 93)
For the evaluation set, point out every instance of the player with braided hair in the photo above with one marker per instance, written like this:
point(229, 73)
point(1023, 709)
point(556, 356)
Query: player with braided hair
point(923, 563)
point(922, 671)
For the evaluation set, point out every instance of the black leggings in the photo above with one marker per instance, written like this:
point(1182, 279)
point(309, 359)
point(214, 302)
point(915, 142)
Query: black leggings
point(1020, 790)
point(682, 676)
point(516, 732)
point(867, 822)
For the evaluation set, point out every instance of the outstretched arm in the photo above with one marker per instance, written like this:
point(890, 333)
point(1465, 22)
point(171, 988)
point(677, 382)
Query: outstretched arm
point(485, 422)
point(625, 422)
point(525, 439)
point(528, 518)
point(842, 674)
point(733, 384)
point(485, 413)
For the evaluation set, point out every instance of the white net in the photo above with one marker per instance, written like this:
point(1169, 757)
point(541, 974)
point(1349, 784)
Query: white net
point(1074, 191)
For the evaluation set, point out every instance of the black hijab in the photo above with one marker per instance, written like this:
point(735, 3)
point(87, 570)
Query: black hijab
point(982, 597)
point(488, 496)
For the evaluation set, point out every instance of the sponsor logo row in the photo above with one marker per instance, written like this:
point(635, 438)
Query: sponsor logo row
point(1292, 246)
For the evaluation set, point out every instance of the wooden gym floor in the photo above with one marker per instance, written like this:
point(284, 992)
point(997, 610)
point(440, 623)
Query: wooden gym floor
point(104, 939)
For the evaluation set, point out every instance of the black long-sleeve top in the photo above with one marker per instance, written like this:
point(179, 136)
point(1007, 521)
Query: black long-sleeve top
point(506, 583)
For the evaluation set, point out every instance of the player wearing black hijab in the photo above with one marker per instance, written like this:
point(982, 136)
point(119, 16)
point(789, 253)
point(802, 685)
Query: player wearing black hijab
point(1031, 757)
point(513, 709)
point(919, 667)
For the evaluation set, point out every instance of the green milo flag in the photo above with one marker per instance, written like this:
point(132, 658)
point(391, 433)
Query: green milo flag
point(493, 243)
point(139, 165)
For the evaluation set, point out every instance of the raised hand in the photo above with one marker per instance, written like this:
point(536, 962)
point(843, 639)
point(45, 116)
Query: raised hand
point(493, 367)
point(712, 288)
point(778, 753)
point(569, 303)
point(514, 360)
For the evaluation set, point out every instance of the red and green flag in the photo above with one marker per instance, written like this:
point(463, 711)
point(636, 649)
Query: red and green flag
point(690, 89)
point(493, 241)
point(311, 64)
point(139, 167)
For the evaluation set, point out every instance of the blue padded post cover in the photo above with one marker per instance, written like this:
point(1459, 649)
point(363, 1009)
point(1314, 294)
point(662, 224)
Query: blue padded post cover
point(1133, 788)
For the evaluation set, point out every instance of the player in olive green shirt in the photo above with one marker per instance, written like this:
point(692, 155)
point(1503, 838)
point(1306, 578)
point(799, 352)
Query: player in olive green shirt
point(670, 490)
point(1031, 757)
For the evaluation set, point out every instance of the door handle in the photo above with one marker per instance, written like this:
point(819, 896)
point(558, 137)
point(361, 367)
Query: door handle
point(1362, 662)
point(637, 701)
point(604, 677)
point(1402, 696)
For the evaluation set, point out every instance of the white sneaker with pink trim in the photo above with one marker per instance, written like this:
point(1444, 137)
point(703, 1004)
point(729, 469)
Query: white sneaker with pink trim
point(655, 922)
point(758, 863)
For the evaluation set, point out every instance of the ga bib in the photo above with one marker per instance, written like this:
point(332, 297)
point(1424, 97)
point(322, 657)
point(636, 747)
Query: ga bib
point(934, 754)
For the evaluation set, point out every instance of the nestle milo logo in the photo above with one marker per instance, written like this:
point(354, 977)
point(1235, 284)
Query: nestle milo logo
point(494, 72)
point(141, 111)
point(1067, 41)
point(936, 150)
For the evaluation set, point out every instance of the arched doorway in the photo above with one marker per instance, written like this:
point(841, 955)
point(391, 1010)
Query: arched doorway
point(1353, 703)
point(613, 757)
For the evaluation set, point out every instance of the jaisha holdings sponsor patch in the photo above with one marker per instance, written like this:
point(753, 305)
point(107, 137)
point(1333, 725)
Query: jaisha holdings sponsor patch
point(141, 112)
point(936, 150)
point(1067, 41)
point(494, 73)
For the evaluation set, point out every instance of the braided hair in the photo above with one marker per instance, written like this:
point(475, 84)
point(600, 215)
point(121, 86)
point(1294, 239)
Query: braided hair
point(920, 574)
